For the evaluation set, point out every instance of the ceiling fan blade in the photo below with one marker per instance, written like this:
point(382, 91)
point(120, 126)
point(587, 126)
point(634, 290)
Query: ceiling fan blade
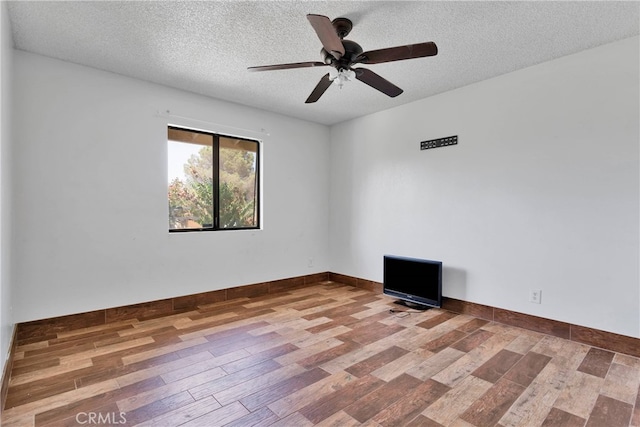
point(327, 35)
point(320, 88)
point(398, 53)
point(287, 66)
point(377, 82)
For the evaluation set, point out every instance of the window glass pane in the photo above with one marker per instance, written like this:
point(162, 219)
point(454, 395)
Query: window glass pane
point(190, 186)
point(238, 183)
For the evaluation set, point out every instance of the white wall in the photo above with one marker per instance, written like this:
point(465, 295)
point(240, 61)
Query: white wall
point(91, 207)
point(6, 69)
point(542, 191)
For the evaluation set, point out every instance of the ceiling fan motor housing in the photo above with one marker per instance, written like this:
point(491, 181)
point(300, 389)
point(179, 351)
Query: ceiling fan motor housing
point(351, 51)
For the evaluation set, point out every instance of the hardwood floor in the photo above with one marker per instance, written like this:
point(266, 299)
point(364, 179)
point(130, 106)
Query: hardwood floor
point(327, 355)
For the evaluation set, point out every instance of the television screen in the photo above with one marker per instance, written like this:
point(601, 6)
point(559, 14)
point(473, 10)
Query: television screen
point(413, 280)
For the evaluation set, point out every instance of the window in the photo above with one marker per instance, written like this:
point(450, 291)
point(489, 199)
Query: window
point(213, 181)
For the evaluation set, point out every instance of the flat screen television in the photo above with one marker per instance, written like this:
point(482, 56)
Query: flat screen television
point(415, 282)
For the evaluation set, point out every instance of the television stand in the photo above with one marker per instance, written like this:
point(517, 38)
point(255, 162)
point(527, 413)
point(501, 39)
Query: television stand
point(412, 305)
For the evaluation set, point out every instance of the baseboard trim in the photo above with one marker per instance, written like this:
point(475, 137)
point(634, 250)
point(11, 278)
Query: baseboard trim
point(8, 367)
point(39, 330)
point(582, 334)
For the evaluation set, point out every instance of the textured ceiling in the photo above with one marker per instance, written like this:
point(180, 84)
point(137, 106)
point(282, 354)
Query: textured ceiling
point(206, 47)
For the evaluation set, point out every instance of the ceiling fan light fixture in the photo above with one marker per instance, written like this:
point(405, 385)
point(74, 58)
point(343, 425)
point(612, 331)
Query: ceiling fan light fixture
point(341, 76)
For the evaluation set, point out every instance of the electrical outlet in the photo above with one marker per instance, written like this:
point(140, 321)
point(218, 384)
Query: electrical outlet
point(535, 296)
point(310, 262)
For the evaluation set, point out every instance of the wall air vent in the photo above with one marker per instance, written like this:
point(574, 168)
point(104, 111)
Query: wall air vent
point(440, 142)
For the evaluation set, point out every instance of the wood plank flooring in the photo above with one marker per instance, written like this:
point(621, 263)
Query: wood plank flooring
point(325, 355)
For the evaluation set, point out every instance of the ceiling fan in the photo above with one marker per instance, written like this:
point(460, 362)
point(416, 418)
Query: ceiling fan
point(342, 54)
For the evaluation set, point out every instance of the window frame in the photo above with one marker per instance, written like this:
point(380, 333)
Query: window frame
point(216, 180)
